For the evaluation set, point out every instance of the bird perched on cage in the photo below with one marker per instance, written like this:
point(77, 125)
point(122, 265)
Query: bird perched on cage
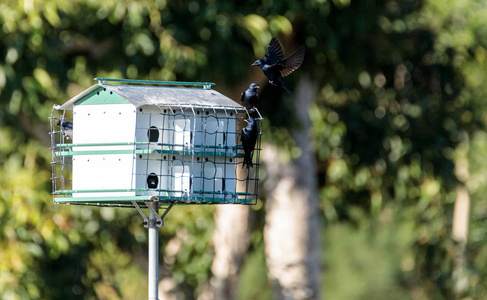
point(275, 66)
point(249, 138)
point(66, 128)
point(250, 97)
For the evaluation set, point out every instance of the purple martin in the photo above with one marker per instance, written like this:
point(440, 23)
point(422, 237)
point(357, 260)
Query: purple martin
point(249, 138)
point(250, 97)
point(66, 128)
point(275, 66)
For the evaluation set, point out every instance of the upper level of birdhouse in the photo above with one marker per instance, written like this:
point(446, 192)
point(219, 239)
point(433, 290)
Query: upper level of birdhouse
point(112, 112)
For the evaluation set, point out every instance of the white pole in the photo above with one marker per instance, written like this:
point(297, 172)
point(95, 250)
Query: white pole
point(153, 253)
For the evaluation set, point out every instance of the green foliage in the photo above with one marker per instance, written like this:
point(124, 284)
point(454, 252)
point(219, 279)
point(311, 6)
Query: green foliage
point(193, 261)
point(398, 124)
point(253, 278)
point(394, 127)
point(376, 259)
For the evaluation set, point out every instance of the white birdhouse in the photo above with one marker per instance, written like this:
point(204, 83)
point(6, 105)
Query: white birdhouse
point(146, 141)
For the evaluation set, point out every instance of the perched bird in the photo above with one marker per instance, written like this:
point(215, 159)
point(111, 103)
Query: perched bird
point(250, 97)
point(275, 66)
point(249, 138)
point(66, 128)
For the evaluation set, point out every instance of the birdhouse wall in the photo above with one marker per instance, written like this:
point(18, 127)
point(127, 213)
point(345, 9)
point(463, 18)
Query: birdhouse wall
point(104, 123)
point(100, 165)
point(216, 174)
point(186, 176)
point(182, 128)
point(219, 130)
point(191, 145)
point(153, 163)
point(102, 173)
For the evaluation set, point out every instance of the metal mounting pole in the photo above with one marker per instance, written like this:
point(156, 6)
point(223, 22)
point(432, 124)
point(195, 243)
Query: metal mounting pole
point(152, 223)
point(153, 229)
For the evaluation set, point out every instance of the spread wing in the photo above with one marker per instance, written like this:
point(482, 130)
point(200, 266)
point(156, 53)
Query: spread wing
point(292, 62)
point(274, 52)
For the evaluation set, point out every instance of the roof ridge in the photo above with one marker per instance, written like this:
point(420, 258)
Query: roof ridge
point(205, 85)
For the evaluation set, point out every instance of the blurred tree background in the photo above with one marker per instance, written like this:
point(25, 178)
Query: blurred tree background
point(398, 132)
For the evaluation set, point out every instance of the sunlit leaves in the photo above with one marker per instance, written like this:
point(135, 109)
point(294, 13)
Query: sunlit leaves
point(257, 26)
point(401, 99)
point(337, 170)
point(280, 24)
point(25, 223)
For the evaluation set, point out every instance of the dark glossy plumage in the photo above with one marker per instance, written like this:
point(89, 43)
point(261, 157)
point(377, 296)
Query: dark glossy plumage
point(249, 138)
point(66, 128)
point(275, 66)
point(250, 97)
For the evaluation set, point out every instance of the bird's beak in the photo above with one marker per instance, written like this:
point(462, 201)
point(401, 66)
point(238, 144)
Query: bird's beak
point(257, 86)
point(254, 64)
point(248, 122)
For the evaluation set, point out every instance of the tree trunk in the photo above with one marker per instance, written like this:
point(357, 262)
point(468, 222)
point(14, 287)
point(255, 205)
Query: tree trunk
point(231, 240)
point(461, 213)
point(292, 231)
point(460, 233)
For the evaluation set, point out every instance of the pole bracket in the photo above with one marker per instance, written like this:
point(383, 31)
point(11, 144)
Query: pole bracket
point(156, 221)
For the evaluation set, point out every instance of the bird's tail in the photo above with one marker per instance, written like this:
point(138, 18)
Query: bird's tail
point(247, 161)
point(284, 86)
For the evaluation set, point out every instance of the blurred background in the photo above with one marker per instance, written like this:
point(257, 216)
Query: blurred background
point(373, 185)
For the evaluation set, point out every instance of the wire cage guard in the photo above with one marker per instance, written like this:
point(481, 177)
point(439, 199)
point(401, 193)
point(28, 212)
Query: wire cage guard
point(133, 144)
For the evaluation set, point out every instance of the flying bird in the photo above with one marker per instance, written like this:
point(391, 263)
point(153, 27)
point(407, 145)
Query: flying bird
point(275, 66)
point(66, 128)
point(249, 138)
point(250, 97)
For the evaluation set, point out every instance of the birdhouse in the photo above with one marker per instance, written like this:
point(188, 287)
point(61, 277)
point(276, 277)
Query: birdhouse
point(137, 141)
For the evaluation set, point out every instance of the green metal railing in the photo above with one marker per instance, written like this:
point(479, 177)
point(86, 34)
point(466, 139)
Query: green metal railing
point(66, 149)
point(184, 199)
point(205, 85)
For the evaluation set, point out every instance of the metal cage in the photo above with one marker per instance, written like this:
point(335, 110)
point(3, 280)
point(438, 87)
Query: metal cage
point(125, 152)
